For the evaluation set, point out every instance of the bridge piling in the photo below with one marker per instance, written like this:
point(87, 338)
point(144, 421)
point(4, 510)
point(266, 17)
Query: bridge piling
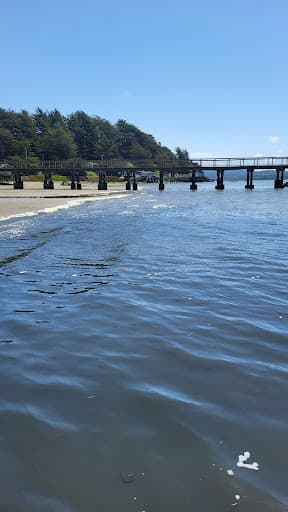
point(79, 186)
point(128, 184)
point(220, 179)
point(102, 184)
point(193, 185)
point(279, 181)
point(73, 185)
point(249, 183)
point(135, 186)
point(161, 181)
point(18, 182)
point(48, 182)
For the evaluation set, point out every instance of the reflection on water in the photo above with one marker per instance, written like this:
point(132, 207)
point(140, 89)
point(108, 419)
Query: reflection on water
point(139, 358)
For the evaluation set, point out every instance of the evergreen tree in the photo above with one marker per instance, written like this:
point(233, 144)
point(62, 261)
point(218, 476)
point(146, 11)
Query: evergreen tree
point(182, 154)
point(8, 144)
point(57, 144)
point(50, 135)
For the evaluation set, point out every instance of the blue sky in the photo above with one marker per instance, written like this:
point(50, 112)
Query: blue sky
point(207, 75)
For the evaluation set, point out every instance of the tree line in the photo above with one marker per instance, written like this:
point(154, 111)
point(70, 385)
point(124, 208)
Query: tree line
point(48, 135)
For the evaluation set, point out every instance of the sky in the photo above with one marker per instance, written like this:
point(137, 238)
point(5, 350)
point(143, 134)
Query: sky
point(207, 75)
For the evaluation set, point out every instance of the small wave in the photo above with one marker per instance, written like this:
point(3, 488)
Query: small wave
point(27, 413)
point(163, 205)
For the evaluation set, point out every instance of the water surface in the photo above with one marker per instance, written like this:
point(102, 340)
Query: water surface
point(143, 348)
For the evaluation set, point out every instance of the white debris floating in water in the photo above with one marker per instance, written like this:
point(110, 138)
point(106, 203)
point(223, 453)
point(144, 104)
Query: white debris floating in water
point(242, 462)
point(230, 472)
point(237, 497)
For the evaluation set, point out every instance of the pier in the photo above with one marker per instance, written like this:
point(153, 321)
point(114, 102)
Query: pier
point(192, 170)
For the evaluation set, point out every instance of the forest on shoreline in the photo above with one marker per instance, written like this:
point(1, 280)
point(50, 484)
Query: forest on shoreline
point(48, 135)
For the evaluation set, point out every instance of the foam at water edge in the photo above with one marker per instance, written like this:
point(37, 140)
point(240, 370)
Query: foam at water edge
point(69, 204)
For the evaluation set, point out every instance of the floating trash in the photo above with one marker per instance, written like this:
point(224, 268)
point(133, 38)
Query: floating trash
point(237, 497)
point(242, 462)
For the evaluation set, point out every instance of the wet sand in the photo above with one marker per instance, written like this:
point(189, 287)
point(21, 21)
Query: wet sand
point(33, 198)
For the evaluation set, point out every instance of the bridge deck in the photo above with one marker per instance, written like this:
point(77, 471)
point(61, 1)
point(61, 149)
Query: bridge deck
point(166, 166)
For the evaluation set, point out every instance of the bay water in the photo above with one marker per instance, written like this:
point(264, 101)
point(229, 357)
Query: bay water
point(143, 348)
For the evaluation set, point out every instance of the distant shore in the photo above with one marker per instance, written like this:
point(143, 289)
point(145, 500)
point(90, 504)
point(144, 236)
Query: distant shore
point(34, 199)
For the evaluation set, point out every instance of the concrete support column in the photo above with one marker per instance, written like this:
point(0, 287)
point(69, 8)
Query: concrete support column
point(249, 183)
point(220, 179)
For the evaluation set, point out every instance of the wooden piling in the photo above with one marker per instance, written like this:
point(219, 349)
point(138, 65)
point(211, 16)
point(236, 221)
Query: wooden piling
point(102, 184)
point(161, 181)
point(220, 179)
point(193, 185)
point(279, 181)
point(249, 182)
point(135, 186)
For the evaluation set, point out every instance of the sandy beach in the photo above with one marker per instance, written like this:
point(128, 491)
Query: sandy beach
point(33, 198)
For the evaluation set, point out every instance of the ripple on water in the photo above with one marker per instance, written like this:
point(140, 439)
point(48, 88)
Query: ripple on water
point(154, 347)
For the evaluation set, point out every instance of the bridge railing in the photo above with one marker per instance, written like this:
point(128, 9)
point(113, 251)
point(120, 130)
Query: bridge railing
point(270, 162)
point(172, 164)
point(58, 165)
point(175, 163)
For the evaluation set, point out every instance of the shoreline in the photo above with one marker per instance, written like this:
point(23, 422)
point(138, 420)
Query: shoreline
point(33, 200)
